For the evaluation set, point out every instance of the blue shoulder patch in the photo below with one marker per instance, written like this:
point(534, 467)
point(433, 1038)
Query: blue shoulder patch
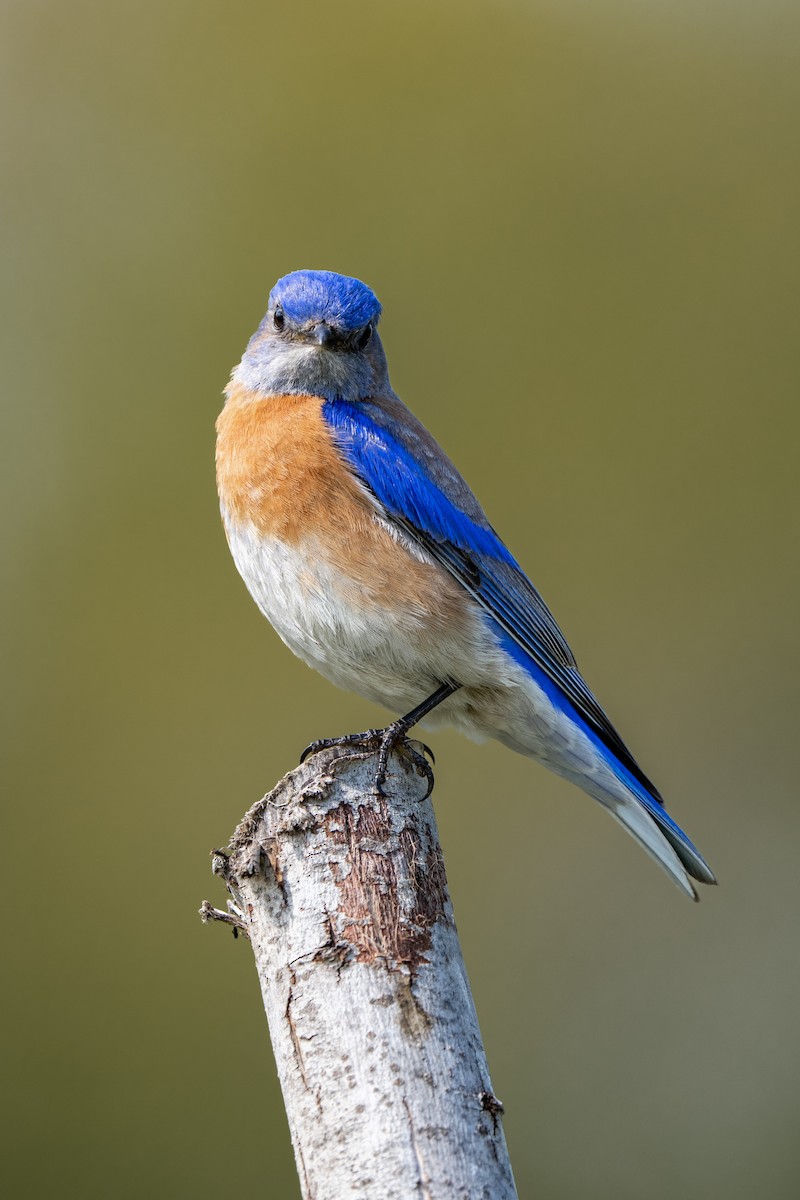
point(402, 487)
point(325, 296)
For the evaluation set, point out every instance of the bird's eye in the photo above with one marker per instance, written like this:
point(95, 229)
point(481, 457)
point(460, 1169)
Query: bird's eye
point(364, 336)
point(278, 317)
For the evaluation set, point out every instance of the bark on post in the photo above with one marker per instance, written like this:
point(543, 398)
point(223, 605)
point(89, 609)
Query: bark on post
point(344, 898)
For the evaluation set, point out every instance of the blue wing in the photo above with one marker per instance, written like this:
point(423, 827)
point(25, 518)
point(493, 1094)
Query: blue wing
point(425, 497)
point(469, 548)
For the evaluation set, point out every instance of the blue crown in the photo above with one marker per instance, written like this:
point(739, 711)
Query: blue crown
point(325, 296)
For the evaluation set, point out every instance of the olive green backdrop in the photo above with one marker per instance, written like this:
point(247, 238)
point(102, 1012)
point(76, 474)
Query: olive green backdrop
point(581, 219)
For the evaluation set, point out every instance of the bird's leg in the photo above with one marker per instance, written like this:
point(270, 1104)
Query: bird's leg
point(385, 740)
point(395, 733)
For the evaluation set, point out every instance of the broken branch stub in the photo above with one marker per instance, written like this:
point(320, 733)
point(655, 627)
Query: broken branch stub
point(344, 898)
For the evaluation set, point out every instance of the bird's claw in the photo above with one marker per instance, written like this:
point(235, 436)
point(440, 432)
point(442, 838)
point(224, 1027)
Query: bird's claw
point(395, 737)
point(426, 750)
point(348, 739)
point(384, 741)
point(420, 761)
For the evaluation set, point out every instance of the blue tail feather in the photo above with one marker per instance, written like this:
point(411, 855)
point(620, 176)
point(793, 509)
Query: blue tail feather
point(688, 855)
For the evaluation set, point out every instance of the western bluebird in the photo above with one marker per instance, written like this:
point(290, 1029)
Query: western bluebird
point(361, 543)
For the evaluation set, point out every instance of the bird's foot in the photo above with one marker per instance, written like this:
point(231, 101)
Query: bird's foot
point(384, 741)
point(393, 737)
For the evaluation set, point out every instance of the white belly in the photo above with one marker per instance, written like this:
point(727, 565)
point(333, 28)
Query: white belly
point(387, 654)
point(390, 657)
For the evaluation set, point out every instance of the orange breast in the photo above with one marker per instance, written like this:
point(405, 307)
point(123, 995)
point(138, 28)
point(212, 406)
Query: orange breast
point(277, 467)
point(279, 471)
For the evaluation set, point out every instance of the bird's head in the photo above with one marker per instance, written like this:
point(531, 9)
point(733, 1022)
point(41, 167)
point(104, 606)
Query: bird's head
point(319, 336)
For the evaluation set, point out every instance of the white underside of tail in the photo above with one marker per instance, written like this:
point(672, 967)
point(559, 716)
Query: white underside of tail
point(633, 817)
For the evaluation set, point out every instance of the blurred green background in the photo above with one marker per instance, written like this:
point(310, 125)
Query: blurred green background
point(581, 219)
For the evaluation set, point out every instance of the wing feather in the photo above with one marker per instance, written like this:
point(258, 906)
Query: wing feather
point(421, 507)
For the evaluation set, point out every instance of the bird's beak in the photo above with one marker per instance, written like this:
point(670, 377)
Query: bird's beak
point(323, 335)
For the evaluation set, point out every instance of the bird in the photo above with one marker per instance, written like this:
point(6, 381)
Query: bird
point(371, 557)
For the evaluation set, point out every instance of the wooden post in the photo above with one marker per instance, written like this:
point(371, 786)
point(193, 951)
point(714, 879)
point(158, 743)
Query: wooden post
point(343, 896)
